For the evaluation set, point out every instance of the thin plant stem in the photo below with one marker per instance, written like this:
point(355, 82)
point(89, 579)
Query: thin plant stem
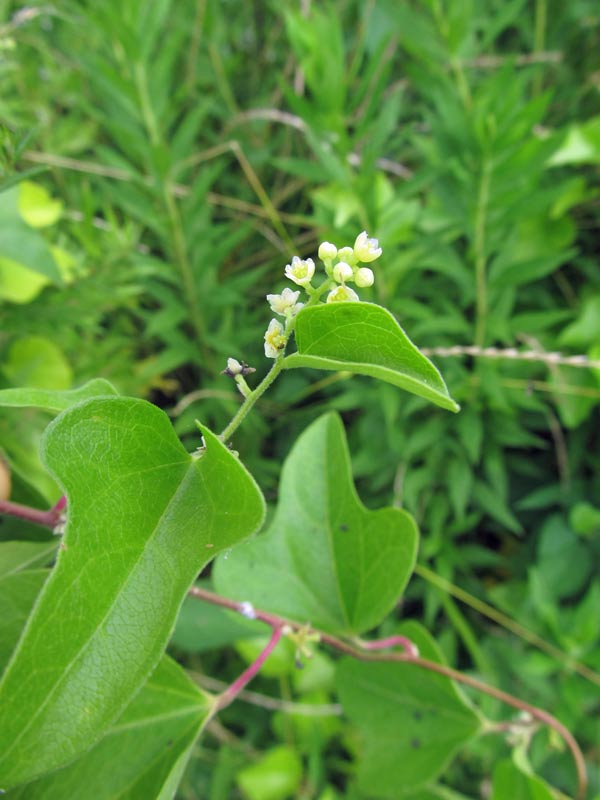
point(506, 622)
point(48, 519)
point(479, 247)
point(228, 696)
point(272, 703)
point(251, 399)
point(277, 623)
point(185, 268)
point(539, 37)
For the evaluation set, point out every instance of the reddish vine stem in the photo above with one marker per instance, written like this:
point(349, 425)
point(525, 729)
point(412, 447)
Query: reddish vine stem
point(232, 691)
point(409, 656)
point(48, 519)
point(365, 652)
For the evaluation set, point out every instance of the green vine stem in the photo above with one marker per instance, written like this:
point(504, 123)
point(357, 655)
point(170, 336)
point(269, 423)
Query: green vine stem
point(408, 657)
point(252, 397)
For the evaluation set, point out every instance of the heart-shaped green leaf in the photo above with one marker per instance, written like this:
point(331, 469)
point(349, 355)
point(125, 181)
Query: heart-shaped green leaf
point(143, 754)
point(411, 721)
point(52, 400)
point(366, 339)
point(325, 558)
point(144, 517)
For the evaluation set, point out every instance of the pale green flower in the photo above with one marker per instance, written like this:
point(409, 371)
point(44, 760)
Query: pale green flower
point(300, 271)
point(366, 249)
point(347, 254)
point(327, 251)
point(285, 303)
point(274, 339)
point(342, 294)
point(364, 277)
point(342, 272)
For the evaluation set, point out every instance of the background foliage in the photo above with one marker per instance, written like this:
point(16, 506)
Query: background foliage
point(162, 161)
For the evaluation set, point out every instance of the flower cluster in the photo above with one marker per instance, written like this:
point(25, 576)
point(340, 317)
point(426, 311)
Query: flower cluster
point(342, 266)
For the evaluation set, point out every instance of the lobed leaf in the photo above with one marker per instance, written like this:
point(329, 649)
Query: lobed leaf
point(144, 518)
point(411, 721)
point(365, 339)
point(325, 558)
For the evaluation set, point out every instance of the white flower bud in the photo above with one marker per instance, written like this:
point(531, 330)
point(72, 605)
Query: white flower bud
point(327, 251)
point(366, 249)
point(300, 271)
point(342, 272)
point(364, 277)
point(347, 254)
point(285, 303)
point(274, 339)
point(342, 294)
point(234, 367)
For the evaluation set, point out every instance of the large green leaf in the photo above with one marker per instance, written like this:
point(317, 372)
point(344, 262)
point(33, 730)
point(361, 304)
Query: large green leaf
point(51, 400)
point(143, 754)
point(411, 721)
point(325, 558)
point(144, 517)
point(366, 339)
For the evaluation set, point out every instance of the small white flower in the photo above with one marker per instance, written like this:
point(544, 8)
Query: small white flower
point(300, 271)
point(347, 254)
point(342, 294)
point(366, 249)
point(274, 339)
point(342, 272)
point(327, 251)
point(364, 277)
point(285, 303)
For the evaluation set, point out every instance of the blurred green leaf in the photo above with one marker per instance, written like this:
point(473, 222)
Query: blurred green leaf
point(276, 776)
point(37, 363)
point(36, 206)
point(511, 782)
point(21, 243)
